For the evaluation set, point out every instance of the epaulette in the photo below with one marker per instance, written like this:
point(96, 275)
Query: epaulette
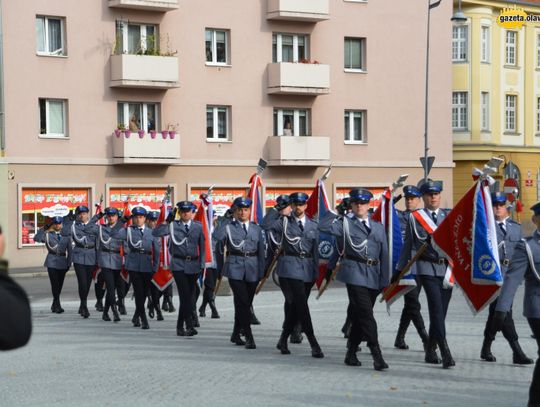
point(512, 221)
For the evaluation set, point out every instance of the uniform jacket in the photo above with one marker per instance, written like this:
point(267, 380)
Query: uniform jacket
point(59, 249)
point(351, 271)
point(415, 237)
point(83, 237)
point(108, 247)
point(141, 257)
point(305, 264)
point(237, 266)
point(511, 239)
point(190, 255)
point(521, 268)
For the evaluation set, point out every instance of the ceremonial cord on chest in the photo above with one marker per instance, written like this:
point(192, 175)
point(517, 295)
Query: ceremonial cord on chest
point(137, 245)
point(173, 239)
point(347, 239)
point(48, 243)
point(81, 240)
point(293, 241)
point(413, 223)
point(229, 237)
point(105, 242)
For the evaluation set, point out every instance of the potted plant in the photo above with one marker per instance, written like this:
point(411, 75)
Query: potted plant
point(172, 130)
point(119, 129)
point(141, 133)
point(127, 133)
point(164, 133)
point(153, 134)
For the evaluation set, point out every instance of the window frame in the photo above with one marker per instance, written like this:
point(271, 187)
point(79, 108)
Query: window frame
point(61, 136)
point(363, 129)
point(511, 46)
point(215, 124)
point(485, 44)
point(460, 43)
point(47, 52)
point(144, 113)
point(278, 36)
point(461, 109)
point(509, 111)
point(214, 47)
point(143, 46)
point(484, 111)
point(280, 123)
point(363, 46)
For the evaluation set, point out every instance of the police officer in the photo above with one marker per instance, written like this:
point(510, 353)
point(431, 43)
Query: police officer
point(411, 306)
point(297, 269)
point(508, 235)
point(154, 293)
point(209, 285)
point(188, 252)
point(525, 264)
point(431, 269)
point(244, 265)
point(58, 260)
point(364, 269)
point(109, 259)
point(84, 252)
point(141, 260)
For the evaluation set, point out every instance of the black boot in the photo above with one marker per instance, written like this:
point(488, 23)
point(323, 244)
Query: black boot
point(254, 320)
point(99, 305)
point(59, 308)
point(180, 331)
point(378, 361)
point(116, 317)
point(171, 305)
point(431, 352)
point(80, 309)
point(447, 360)
point(202, 308)
point(296, 335)
point(346, 328)
point(159, 315)
point(418, 323)
point(250, 342)
point(400, 337)
point(424, 336)
point(136, 321)
point(54, 306)
point(195, 319)
point(121, 306)
point(144, 322)
point(84, 310)
point(105, 315)
point(150, 307)
point(519, 357)
point(282, 343)
point(316, 351)
point(235, 337)
point(165, 304)
point(215, 314)
point(350, 356)
point(485, 353)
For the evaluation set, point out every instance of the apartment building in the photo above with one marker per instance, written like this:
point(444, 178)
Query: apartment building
point(120, 98)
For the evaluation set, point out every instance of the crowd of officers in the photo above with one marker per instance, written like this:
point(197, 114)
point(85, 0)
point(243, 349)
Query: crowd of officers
point(287, 238)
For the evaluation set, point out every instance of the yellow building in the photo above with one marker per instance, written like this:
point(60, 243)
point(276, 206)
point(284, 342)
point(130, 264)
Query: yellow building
point(496, 95)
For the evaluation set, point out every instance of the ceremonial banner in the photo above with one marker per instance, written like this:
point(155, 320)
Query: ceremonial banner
point(163, 277)
point(124, 273)
point(97, 269)
point(202, 216)
point(255, 194)
point(467, 237)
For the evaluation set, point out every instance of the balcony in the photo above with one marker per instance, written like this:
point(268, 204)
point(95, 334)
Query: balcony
point(298, 150)
point(298, 10)
point(150, 5)
point(287, 78)
point(144, 71)
point(159, 148)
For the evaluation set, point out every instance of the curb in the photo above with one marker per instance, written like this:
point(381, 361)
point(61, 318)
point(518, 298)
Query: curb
point(36, 274)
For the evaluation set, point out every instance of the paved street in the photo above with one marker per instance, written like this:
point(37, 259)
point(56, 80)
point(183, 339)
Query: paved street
point(76, 362)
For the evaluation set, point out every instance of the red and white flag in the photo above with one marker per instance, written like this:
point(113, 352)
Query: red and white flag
point(124, 273)
point(163, 277)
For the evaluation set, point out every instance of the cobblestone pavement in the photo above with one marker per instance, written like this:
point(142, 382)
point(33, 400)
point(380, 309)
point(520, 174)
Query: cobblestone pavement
point(76, 362)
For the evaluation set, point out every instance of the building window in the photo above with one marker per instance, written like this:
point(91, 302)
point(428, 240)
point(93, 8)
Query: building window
point(355, 53)
point(511, 45)
point(135, 116)
point(460, 43)
point(538, 115)
point(291, 122)
point(459, 111)
point(355, 126)
point(510, 113)
point(50, 37)
point(484, 111)
point(52, 117)
point(289, 48)
point(485, 45)
point(217, 44)
point(133, 39)
point(217, 123)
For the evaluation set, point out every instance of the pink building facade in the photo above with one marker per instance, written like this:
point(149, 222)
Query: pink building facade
point(121, 98)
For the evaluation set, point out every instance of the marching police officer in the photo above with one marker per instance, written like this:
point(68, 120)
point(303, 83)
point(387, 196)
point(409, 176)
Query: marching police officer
point(297, 269)
point(84, 252)
point(188, 252)
point(508, 235)
point(411, 306)
point(364, 269)
point(431, 269)
point(244, 265)
point(58, 260)
point(154, 293)
point(141, 260)
point(209, 285)
point(525, 264)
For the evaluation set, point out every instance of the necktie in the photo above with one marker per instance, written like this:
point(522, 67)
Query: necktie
point(434, 217)
point(503, 230)
point(186, 227)
point(366, 226)
point(244, 227)
point(300, 225)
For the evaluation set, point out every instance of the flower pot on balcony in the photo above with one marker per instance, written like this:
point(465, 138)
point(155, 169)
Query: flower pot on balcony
point(153, 134)
point(127, 133)
point(164, 134)
point(172, 134)
point(117, 132)
point(141, 133)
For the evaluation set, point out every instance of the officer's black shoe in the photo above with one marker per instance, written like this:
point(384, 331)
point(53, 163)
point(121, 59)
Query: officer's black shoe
point(180, 331)
point(136, 320)
point(80, 310)
point(296, 335)
point(378, 361)
point(400, 338)
point(485, 353)
point(215, 314)
point(350, 357)
point(121, 307)
point(144, 322)
point(106, 316)
point(116, 317)
point(250, 342)
point(151, 311)
point(431, 353)
point(195, 319)
point(446, 356)
point(54, 306)
point(282, 344)
point(165, 304)
point(519, 357)
point(99, 305)
point(171, 305)
point(191, 332)
point(84, 312)
point(59, 309)
point(202, 308)
point(159, 315)
point(316, 351)
point(254, 320)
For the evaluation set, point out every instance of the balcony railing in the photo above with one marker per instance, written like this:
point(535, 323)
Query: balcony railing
point(310, 79)
point(151, 5)
point(298, 150)
point(144, 71)
point(158, 148)
point(298, 10)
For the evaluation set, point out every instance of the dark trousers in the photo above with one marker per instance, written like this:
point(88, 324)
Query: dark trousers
point(296, 293)
point(509, 329)
point(141, 285)
point(186, 289)
point(56, 277)
point(438, 299)
point(412, 307)
point(111, 278)
point(363, 324)
point(209, 284)
point(243, 292)
point(99, 286)
point(84, 280)
point(534, 391)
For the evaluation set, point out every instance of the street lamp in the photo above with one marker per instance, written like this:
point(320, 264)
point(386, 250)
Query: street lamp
point(459, 16)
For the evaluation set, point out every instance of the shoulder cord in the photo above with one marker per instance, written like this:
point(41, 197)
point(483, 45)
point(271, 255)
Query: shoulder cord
point(101, 236)
point(81, 240)
point(293, 241)
point(347, 239)
point(48, 244)
point(231, 242)
point(137, 245)
point(413, 226)
point(173, 239)
point(274, 240)
point(531, 260)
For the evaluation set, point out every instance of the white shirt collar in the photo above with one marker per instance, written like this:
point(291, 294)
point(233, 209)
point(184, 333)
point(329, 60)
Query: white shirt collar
point(364, 220)
point(188, 223)
point(502, 221)
point(302, 219)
